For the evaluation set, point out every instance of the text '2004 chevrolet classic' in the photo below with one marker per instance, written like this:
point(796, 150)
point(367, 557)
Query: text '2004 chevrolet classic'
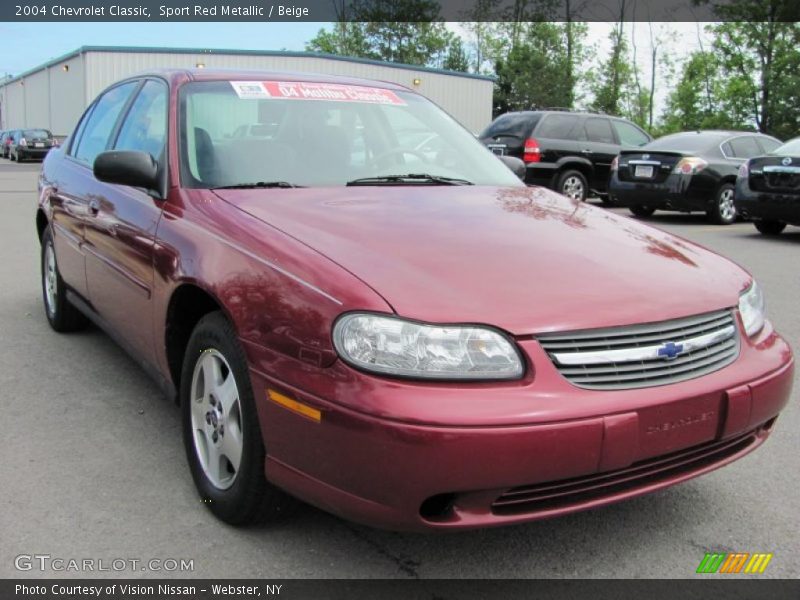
point(356, 303)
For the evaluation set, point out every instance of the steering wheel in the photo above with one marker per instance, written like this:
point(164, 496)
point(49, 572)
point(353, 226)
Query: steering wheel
point(398, 151)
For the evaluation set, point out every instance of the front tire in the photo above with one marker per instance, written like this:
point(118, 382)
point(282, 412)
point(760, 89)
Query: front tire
point(723, 211)
point(221, 431)
point(62, 316)
point(573, 185)
point(641, 210)
point(768, 227)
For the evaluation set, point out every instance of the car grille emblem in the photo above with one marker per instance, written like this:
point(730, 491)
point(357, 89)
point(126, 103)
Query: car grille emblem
point(645, 156)
point(670, 350)
point(786, 161)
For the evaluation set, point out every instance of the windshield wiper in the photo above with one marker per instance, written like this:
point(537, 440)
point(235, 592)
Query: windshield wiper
point(257, 184)
point(410, 179)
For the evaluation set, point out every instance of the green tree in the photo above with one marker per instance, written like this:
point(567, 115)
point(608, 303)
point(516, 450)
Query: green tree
point(406, 31)
point(616, 75)
point(456, 59)
point(757, 46)
point(531, 74)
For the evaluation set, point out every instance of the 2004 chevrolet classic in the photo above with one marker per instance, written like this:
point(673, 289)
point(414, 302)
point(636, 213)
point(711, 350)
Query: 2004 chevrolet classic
point(356, 303)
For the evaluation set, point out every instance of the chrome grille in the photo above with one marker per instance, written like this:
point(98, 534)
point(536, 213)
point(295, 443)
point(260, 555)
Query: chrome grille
point(645, 355)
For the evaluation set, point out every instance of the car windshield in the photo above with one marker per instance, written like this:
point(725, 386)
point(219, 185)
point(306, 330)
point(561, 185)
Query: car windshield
point(686, 142)
point(37, 134)
point(791, 147)
point(261, 133)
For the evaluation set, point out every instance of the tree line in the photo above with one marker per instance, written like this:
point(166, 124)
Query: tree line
point(745, 73)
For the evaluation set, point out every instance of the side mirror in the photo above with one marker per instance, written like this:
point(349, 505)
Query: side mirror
point(127, 167)
point(516, 165)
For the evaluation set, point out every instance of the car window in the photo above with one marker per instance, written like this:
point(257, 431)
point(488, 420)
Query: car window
point(145, 126)
point(630, 135)
point(792, 147)
point(101, 122)
point(598, 130)
point(322, 134)
point(769, 144)
point(557, 126)
point(37, 134)
point(517, 125)
point(745, 147)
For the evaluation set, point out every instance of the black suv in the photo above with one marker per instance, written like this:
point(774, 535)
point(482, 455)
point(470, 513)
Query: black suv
point(570, 152)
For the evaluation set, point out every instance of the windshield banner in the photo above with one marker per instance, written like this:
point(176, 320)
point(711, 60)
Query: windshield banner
point(303, 90)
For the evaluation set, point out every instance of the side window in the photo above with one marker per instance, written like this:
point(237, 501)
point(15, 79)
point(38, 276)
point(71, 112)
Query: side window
point(727, 150)
point(76, 136)
point(100, 123)
point(630, 135)
point(598, 130)
point(768, 144)
point(745, 147)
point(557, 126)
point(145, 125)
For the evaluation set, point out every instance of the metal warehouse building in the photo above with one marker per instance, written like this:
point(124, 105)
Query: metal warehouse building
point(55, 94)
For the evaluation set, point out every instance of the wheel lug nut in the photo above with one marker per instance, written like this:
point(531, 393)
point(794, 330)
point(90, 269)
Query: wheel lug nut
point(213, 401)
point(214, 437)
point(208, 418)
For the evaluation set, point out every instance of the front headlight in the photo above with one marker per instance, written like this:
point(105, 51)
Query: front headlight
point(394, 346)
point(751, 307)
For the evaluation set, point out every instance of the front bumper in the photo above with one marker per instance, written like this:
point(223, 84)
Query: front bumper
point(767, 205)
point(677, 192)
point(545, 447)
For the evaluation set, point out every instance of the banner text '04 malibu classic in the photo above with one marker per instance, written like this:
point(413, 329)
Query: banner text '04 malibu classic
point(356, 303)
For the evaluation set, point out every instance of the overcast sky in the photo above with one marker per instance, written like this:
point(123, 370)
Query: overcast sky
point(31, 44)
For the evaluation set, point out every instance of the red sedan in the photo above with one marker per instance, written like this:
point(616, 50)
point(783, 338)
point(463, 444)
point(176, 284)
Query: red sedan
point(402, 334)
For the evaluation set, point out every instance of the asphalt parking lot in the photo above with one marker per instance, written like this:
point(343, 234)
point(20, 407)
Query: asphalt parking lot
point(94, 466)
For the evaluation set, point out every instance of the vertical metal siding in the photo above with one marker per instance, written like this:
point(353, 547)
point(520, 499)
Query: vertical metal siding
point(468, 100)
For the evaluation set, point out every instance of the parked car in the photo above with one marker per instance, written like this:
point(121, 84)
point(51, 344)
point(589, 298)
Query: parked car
point(570, 152)
point(5, 142)
point(768, 189)
point(31, 143)
point(689, 171)
point(371, 332)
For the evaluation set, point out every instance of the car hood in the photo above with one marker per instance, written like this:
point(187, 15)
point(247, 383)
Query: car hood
point(524, 259)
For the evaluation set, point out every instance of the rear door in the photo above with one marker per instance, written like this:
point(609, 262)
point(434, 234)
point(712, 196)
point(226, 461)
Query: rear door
point(120, 235)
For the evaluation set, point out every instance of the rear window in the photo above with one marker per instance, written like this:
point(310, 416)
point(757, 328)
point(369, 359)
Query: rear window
point(686, 142)
point(517, 125)
point(557, 126)
point(791, 147)
point(768, 144)
point(745, 147)
point(36, 133)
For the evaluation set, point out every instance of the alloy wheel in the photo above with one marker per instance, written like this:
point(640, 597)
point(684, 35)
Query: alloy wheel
point(216, 415)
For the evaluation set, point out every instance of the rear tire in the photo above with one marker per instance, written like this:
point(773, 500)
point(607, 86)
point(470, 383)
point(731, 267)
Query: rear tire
point(768, 227)
point(641, 210)
point(723, 211)
point(573, 185)
point(221, 431)
point(62, 316)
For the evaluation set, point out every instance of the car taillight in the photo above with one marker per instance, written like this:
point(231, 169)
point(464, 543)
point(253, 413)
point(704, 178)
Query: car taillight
point(532, 153)
point(690, 165)
point(615, 163)
point(744, 171)
point(23, 142)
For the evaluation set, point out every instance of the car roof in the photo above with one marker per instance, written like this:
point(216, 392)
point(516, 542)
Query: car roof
point(250, 75)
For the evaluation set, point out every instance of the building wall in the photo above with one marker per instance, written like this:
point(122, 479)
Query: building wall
point(469, 100)
point(54, 98)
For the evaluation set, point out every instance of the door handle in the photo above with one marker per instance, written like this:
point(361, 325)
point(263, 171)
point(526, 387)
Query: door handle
point(94, 207)
point(586, 151)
